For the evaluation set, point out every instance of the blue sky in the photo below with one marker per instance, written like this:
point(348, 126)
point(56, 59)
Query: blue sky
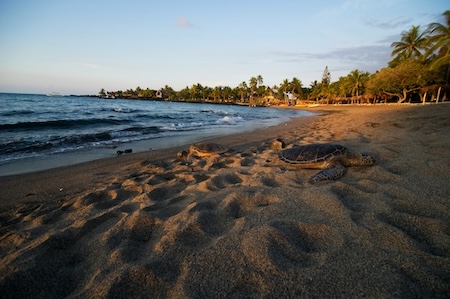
point(81, 46)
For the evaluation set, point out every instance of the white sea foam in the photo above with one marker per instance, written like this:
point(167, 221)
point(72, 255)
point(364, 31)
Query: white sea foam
point(227, 120)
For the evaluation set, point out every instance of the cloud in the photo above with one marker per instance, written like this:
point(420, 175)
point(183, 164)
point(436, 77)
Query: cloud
point(184, 23)
point(390, 24)
point(367, 58)
point(390, 39)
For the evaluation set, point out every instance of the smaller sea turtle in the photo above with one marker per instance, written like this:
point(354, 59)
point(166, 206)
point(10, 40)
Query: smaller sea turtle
point(332, 158)
point(203, 150)
point(277, 144)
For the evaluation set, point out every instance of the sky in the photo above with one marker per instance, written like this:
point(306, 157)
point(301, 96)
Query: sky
point(81, 46)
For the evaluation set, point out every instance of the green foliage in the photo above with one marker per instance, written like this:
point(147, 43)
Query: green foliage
point(410, 75)
point(412, 44)
point(326, 77)
point(439, 43)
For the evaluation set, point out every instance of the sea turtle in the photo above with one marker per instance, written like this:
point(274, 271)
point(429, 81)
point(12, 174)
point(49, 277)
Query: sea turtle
point(277, 144)
point(332, 158)
point(203, 150)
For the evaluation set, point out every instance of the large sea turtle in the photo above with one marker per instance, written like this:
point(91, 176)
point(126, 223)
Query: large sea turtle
point(332, 158)
point(203, 150)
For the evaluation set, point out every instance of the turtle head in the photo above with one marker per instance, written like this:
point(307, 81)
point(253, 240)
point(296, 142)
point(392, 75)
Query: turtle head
point(367, 160)
point(360, 159)
point(277, 144)
point(182, 155)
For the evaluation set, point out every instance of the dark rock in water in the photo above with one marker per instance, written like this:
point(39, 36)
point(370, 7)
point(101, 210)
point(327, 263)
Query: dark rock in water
point(127, 151)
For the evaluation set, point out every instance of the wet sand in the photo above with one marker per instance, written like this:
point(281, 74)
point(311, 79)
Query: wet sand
point(242, 224)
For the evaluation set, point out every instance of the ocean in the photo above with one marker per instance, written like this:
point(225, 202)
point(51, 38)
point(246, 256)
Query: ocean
point(36, 128)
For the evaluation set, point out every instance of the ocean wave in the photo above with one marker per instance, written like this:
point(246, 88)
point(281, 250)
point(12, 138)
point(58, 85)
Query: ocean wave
point(137, 130)
point(16, 113)
point(30, 145)
point(125, 110)
point(224, 121)
point(86, 138)
point(183, 126)
point(19, 146)
point(215, 111)
point(227, 120)
point(63, 124)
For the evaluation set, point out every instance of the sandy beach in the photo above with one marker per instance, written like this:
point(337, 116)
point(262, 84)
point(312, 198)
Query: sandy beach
point(242, 225)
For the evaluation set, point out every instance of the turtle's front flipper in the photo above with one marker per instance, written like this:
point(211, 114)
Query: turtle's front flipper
point(330, 173)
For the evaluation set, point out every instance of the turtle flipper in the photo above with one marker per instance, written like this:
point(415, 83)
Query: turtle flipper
point(330, 173)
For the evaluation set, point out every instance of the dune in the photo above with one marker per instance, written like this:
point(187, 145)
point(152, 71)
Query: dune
point(242, 224)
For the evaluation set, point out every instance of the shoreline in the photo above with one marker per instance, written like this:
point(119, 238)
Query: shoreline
point(242, 225)
point(56, 176)
point(222, 124)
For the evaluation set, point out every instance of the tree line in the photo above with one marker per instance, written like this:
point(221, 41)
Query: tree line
point(419, 71)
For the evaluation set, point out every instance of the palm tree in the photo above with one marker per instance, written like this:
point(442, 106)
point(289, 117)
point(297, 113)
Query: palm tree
point(357, 80)
point(440, 42)
point(253, 87)
point(296, 87)
point(193, 92)
point(260, 80)
point(398, 59)
point(260, 88)
point(243, 88)
point(411, 45)
point(253, 83)
point(217, 93)
point(284, 86)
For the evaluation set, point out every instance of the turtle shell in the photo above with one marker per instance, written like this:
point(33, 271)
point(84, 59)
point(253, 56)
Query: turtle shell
point(312, 155)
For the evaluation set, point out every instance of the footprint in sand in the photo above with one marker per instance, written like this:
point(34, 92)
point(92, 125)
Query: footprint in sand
point(222, 181)
point(245, 201)
point(101, 199)
point(166, 191)
point(426, 234)
point(290, 244)
point(132, 236)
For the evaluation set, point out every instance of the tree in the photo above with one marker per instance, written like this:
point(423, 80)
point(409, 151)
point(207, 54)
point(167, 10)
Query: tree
point(401, 81)
point(398, 59)
point(357, 80)
point(439, 41)
point(282, 90)
point(253, 86)
point(147, 93)
point(138, 92)
point(168, 92)
point(193, 92)
point(296, 87)
point(326, 77)
point(260, 80)
point(227, 94)
point(102, 93)
point(315, 88)
point(243, 90)
point(183, 94)
point(217, 93)
point(412, 44)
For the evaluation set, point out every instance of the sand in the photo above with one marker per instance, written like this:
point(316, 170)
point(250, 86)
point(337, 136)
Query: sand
point(242, 225)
